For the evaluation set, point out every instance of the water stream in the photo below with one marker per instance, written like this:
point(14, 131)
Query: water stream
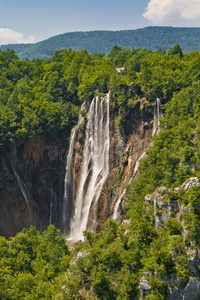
point(157, 116)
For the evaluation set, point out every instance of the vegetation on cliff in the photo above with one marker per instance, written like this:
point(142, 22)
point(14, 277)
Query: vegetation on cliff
point(44, 96)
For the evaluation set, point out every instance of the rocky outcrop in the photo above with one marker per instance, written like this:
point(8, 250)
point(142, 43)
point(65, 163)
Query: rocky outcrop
point(145, 288)
point(189, 292)
point(165, 208)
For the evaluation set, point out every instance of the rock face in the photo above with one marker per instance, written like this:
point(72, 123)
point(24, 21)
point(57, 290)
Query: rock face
point(189, 292)
point(40, 166)
point(165, 208)
point(126, 148)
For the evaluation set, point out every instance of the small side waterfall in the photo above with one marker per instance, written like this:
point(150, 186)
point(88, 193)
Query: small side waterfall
point(20, 182)
point(95, 166)
point(50, 209)
point(116, 208)
point(138, 162)
point(157, 116)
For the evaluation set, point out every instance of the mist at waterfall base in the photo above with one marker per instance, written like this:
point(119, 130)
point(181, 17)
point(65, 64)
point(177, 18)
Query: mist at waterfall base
point(79, 200)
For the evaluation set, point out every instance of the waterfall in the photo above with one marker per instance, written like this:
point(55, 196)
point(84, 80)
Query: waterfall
point(20, 182)
point(138, 162)
point(157, 115)
point(69, 186)
point(116, 208)
point(95, 166)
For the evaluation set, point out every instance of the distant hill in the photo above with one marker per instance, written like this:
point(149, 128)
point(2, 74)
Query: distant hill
point(151, 37)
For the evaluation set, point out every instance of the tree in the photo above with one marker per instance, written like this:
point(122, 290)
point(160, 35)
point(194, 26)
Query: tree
point(176, 50)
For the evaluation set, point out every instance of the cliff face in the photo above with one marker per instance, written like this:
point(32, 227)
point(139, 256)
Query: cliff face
point(33, 175)
point(39, 167)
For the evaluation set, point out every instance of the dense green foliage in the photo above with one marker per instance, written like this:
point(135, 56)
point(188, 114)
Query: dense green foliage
point(103, 41)
point(44, 96)
point(30, 264)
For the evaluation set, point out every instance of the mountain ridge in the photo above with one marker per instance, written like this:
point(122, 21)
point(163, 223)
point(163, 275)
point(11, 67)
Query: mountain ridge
point(152, 37)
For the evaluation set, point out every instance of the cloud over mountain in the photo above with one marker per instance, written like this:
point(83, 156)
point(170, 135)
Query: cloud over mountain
point(158, 11)
point(8, 36)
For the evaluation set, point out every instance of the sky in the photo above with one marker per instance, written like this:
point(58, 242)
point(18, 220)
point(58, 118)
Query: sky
point(30, 21)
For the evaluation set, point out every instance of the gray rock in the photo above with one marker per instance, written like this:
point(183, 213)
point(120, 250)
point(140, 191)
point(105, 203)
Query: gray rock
point(193, 181)
point(190, 292)
point(164, 209)
point(145, 288)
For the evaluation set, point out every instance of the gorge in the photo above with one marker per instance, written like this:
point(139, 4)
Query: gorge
point(91, 182)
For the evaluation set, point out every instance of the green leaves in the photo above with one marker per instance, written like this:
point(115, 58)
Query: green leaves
point(30, 263)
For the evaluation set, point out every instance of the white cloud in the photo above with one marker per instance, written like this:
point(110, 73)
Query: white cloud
point(8, 36)
point(162, 10)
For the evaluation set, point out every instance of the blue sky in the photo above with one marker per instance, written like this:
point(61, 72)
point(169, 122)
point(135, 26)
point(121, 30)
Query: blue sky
point(32, 21)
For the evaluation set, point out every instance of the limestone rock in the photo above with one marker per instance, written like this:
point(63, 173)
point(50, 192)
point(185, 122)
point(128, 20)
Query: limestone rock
point(145, 288)
point(165, 208)
point(190, 292)
point(193, 181)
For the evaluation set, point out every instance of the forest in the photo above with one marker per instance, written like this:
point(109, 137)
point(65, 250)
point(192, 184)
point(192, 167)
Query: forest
point(44, 97)
point(151, 37)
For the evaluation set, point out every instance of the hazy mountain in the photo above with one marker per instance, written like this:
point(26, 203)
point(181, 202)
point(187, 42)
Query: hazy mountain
point(103, 41)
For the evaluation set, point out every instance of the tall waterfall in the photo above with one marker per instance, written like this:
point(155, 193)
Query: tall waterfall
point(20, 182)
point(69, 187)
point(157, 115)
point(95, 166)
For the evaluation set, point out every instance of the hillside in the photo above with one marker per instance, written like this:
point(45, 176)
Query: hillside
point(103, 41)
point(142, 224)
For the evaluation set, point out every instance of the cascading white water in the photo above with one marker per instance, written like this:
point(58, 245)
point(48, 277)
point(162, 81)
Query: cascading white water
point(69, 187)
point(95, 165)
point(138, 162)
point(157, 116)
point(116, 208)
point(20, 182)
